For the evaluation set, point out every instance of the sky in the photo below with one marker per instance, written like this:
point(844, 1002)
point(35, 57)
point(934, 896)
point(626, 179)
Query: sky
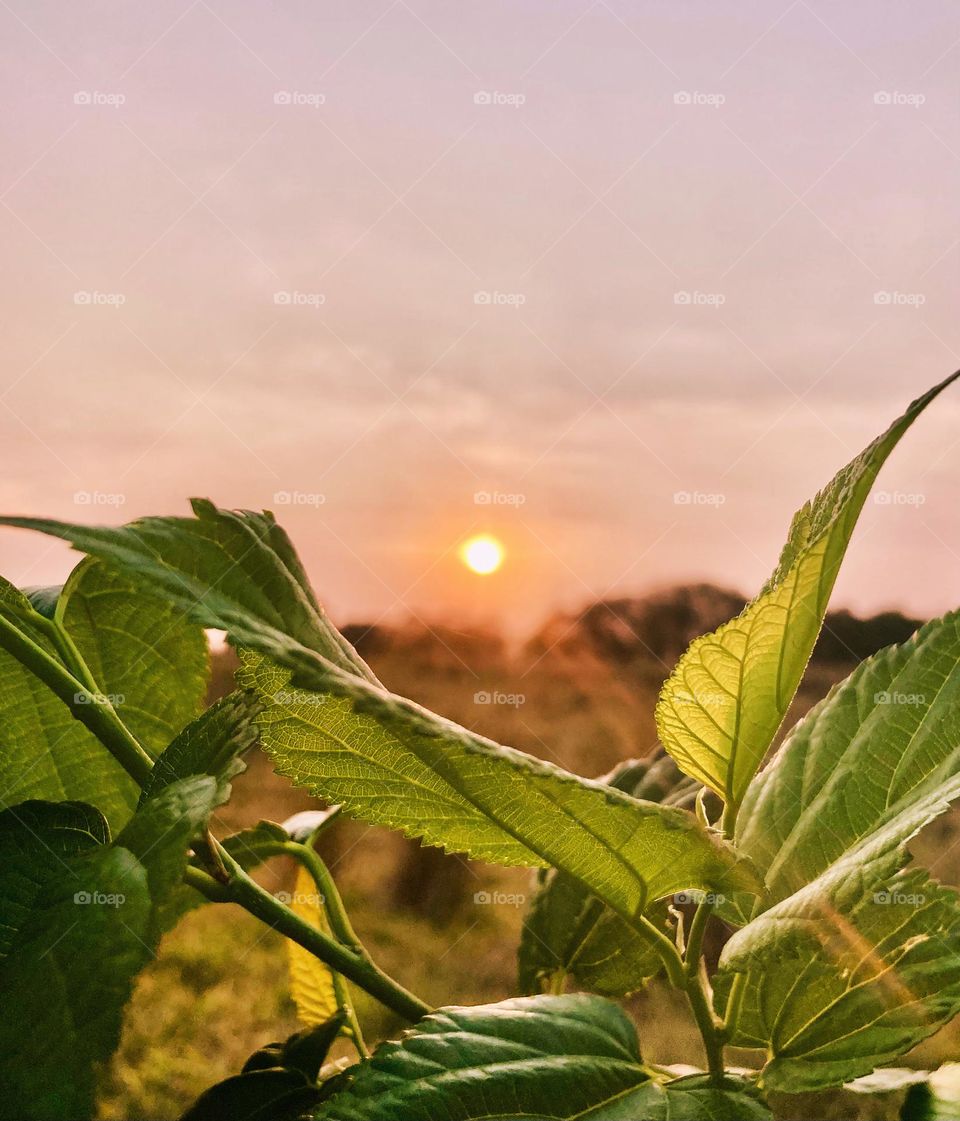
point(622, 284)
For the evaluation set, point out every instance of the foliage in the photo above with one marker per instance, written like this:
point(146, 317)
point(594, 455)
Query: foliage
point(844, 959)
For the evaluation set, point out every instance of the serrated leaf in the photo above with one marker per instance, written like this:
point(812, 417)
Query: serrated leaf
point(720, 709)
point(881, 740)
point(569, 932)
point(855, 968)
point(530, 1057)
point(537, 1058)
point(210, 745)
point(139, 648)
point(312, 984)
point(45, 754)
point(393, 762)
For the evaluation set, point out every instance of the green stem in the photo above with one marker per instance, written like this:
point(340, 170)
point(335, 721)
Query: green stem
point(84, 704)
point(731, 1014)
point(698, 928)
point(709, 1029)
point(354, 964)
point(728, 823)
point(664, 948)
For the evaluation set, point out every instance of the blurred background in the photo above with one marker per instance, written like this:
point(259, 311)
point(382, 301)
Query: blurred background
point(619, 284)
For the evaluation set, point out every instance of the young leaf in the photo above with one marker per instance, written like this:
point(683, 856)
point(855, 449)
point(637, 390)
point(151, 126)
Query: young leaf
point(393, 762)
point(251, 847)
point(312, 983)
point(210, 745)
point(856, 967)
point(880, 741)
point(720, 709)
point(139, 648)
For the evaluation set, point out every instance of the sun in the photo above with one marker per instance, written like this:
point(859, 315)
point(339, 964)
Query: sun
point(483, 554)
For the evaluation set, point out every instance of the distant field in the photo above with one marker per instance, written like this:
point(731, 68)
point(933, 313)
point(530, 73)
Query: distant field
point(196, 1016)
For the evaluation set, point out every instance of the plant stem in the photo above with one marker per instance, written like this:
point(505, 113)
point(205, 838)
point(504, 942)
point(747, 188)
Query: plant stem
point(709, 1029)
point(333, 903)
point(354, 963)
point(99, 718)
point(731, 1013)
point(698, 928)
point(728, 823)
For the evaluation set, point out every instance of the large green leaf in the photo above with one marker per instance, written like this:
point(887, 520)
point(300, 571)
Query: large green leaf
point(86, 918)
point(853, 969)
point(536, 1058)
point(720, 709)
point(881, 740)
point(394, 763)
point(44, 752)
point(384, 758)
point(139, 648)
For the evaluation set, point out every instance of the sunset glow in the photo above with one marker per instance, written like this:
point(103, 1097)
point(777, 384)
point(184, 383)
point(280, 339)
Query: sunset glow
point(483, 554)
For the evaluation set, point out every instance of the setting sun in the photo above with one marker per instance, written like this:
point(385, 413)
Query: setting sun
point(483, 554)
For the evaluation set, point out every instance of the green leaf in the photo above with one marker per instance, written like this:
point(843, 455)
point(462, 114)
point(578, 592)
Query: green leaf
point(139, 648)
point(882, 740)
point(721, 707)
point(386, 759)
point(251, 847)
point(81, 918)
point(393, 763)
point(530, 1057)
point(234, 571)
point(44, 752)
point(535, 1058)
point(568, 931)
point(856, 967)
point(685, 1099)
point(36, 839)
point(210, 745)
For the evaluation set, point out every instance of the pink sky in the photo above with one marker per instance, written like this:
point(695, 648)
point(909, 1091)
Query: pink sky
point(382, 257)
